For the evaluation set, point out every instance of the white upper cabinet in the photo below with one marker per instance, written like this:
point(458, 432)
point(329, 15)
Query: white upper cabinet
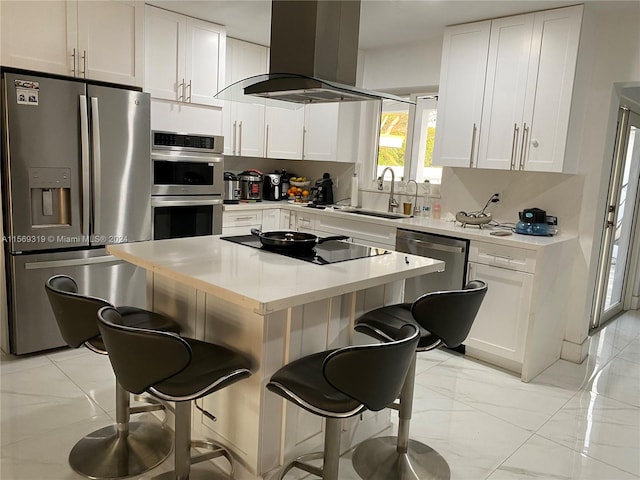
point(101, 40)
point(244, 123)
point(525, 93)
point(505, 90)
point(284, 130)
point(552, 70)
point(462, 74)
point(185, 57)
point(331, 131)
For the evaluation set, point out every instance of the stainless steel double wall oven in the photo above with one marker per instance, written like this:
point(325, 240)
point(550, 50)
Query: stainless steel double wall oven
point(187, 185)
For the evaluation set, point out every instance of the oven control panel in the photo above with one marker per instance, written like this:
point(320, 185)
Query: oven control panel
point(186, 141)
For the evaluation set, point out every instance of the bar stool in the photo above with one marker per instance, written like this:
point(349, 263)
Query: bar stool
point(444, 318)
point(126, 448)
point(176, 369)
point(341, 383)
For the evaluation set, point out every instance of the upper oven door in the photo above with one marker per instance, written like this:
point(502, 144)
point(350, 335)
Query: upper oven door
point(180, 173)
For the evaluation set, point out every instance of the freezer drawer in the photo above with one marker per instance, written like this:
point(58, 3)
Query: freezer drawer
point(32, 326)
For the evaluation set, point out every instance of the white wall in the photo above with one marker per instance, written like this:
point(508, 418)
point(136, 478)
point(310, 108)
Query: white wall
point(609, 58)
point(407, 68)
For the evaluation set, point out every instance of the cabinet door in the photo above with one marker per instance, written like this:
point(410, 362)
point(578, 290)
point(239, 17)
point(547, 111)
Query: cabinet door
point(204, 64)
point(110, 41)
point(244, 60)
point(321, 131)
point(284, 129)
point(39, 35)
point(270, 219)
point(504, 95)
point(462, 76)
point(501, 324)
point(164, 53)
point(250, 129)
point(552, 72)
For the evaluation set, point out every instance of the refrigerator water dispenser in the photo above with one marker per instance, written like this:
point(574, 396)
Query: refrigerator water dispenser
point(50, 196)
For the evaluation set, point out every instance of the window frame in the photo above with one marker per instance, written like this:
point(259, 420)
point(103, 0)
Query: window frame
point(411, 162)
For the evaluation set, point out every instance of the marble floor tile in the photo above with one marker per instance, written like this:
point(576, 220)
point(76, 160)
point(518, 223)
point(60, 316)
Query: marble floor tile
point(620, 380)
point(599, 427)
point(572, 422)
point(498, 393)
point(540, 458)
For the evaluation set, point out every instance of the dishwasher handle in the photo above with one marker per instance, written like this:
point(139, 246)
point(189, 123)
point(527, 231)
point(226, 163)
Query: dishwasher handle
point(436, 246)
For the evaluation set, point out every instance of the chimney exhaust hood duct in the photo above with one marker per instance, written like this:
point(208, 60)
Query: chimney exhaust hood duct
point(314, 55)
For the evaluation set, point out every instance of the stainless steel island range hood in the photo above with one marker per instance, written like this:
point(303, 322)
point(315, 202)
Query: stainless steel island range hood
point(313, 56)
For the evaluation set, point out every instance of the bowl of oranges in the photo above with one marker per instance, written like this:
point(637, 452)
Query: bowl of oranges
point(298, 195)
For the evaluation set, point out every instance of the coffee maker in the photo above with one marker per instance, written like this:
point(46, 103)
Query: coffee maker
point(323, 190)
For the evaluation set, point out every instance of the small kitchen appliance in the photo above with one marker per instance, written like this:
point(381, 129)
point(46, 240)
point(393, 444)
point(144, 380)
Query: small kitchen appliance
point(251, 185)
point(272, 186)
point(231, 188)
point(285, 184)
point(323, 190)
point(533, 221)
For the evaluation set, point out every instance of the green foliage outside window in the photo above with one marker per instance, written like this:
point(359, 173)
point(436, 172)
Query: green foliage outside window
point(393, 139)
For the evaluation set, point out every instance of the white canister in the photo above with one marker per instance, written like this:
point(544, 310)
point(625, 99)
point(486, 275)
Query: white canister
point(354, 190)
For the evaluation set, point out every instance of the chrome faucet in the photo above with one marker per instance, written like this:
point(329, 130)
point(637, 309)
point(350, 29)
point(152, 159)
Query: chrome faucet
point(393, 203)
point(415, 198)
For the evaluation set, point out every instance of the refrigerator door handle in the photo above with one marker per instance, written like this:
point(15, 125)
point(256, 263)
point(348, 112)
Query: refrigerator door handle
point(71, 263)
point(84, 135)
point(97, 189)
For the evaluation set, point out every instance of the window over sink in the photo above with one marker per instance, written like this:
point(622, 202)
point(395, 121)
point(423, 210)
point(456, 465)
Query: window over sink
point(406, 138)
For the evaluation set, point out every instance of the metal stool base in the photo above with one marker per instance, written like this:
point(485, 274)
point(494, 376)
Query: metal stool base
point(378, 459)
point(105, 454)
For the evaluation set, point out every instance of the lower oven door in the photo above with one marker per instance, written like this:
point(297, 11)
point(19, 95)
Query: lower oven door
point(182, 216)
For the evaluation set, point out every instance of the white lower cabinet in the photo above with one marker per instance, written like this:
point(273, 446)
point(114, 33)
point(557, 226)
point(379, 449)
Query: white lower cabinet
point(241, 222)
point(365, 233)
point(499, 332)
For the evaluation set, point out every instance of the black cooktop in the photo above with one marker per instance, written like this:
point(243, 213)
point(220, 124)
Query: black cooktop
point(332, 251)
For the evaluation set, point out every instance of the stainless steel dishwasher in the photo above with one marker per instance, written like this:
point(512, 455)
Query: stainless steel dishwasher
point(453, 251)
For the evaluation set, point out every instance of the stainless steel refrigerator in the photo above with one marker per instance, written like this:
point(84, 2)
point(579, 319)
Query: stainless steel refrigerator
point(76, 177)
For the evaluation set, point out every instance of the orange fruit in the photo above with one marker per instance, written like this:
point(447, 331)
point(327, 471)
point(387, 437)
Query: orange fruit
point(305, 193)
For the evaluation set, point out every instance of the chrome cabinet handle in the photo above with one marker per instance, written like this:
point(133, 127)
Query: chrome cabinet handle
point(240, 138)
point(514, 146)
point(84, 64)
point(266, 141)
point(84, 137)
point(189, 87)
point(473, 144)
point(181, 89)
point(525, 134)
point(304, 138)
point(436, 246)
point(73, 55)
point(235, 125)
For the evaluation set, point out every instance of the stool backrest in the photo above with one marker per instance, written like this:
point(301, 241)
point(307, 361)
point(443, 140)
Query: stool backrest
point(74, 313)
point(373, 374)
point(450, 314)
point(141, 358)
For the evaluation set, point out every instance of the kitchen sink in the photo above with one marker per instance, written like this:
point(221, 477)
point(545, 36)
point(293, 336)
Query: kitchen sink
point(374, 213)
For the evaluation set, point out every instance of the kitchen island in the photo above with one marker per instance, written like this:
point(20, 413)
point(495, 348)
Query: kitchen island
point(274, 309)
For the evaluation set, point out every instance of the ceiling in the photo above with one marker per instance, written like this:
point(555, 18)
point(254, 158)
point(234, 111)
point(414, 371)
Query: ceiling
point(383, 23)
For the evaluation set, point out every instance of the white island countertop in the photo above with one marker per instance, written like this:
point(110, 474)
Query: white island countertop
point(261, 280)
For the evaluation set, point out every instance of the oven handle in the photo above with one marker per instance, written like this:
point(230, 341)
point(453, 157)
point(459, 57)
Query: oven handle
point(187, 158)
point(184, 202)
